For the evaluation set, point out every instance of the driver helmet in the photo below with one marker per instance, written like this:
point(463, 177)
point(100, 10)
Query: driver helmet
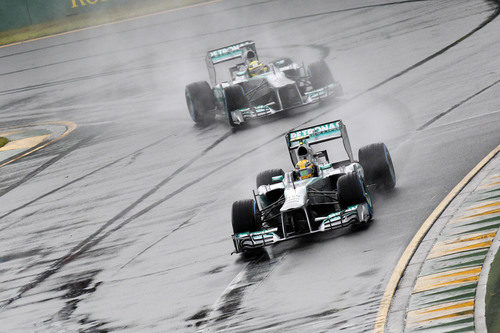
point(256, 67)
point(305, 169)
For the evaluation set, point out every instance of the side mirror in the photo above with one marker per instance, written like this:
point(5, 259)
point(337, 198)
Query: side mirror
point(277, 178)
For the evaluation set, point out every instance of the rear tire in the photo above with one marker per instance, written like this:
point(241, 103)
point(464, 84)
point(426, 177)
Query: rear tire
point(377, 165)
point(244, 217)
point(320, 74)
point(200, 101)
point(351, 190)
point(266, 177)
point(235, 99)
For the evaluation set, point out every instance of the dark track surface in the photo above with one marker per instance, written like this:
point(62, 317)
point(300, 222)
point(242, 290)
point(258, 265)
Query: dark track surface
point(124, 224)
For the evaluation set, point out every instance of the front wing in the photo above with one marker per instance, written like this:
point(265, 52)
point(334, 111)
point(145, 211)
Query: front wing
point(258, 239)
point(241, 115)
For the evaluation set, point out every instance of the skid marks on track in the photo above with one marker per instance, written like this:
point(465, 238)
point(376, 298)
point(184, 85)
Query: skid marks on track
point(228, 305)
point(180, 226)
point(45, 165)
point(74, 290)
point(100, 233)
point(309, 16)
point(442, 114)
point(73, 181)
point(435, 54)
point(228, 314)
point(77, 79)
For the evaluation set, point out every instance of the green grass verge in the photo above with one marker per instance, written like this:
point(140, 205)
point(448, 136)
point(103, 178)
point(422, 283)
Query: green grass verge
point(493, 296)
point(91, 19)
point(3, 141)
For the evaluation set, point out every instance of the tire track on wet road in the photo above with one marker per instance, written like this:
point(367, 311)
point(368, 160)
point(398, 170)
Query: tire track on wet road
point(57, 189)
point(45, 165)
point(228, 304)
point(180, 226)
point(488, 20)
point(93, 239)
point(442, 114)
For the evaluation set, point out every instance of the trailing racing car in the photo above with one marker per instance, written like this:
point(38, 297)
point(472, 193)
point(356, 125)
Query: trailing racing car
point(250, 89)
point(318, 195)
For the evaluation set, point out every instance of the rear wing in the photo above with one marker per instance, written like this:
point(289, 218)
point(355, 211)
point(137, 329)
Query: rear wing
point(317, 134)
point(238, 50)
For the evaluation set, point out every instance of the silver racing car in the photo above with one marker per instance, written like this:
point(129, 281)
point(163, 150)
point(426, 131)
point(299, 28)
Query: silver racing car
point(318, 195)
point(246, 88)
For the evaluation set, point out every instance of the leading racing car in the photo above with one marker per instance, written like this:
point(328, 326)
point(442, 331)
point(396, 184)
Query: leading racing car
point(318, 195)
point(251, 89)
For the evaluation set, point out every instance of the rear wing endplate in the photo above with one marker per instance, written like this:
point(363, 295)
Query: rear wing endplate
point(226, 53)
point(319, 133)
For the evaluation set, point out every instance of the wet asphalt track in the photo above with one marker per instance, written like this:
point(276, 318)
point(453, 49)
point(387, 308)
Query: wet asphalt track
point(125, 223)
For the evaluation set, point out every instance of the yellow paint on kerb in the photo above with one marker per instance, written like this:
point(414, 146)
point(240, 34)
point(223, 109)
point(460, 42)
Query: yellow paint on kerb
point(70, 127)
point(454, 282)
point(461, 244)
point(471, 247)
point(486, 206)
point(24, 143)
point(494, 211)
point(442, 279)
point(390, 289)
point(452, 307)
point(475, 270)
point(489, 185)
point(440, 312)
point(451, 315)
point(475, 237)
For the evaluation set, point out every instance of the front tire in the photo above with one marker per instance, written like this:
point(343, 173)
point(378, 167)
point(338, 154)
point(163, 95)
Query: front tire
point(244, 217)
point(200, 101)
point(234, 99)
point(377, 165)
point(351, 190)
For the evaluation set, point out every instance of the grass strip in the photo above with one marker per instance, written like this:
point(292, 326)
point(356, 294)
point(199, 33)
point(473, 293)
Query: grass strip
point(492, 296)
point(3, 141)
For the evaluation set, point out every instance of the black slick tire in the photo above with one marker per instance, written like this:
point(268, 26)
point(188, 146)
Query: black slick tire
point(244, 217)
point(200, 101)
point(350, 190)
point(266, 177)
point(234, 99)
point(377, 165)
